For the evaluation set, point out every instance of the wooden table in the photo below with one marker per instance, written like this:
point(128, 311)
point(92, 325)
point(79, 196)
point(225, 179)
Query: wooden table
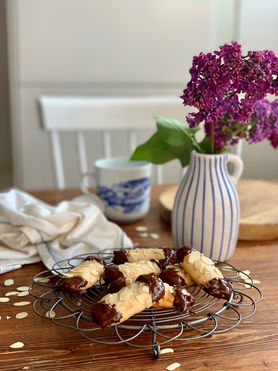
point(253, 345)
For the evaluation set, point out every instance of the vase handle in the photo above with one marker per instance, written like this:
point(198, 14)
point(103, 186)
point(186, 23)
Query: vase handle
point(238, 166)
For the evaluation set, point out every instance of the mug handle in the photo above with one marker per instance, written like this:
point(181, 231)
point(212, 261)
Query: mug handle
point(97, 201)
point(238, 166)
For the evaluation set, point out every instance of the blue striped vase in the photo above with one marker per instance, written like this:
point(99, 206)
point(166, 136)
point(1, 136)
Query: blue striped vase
point(206, 208)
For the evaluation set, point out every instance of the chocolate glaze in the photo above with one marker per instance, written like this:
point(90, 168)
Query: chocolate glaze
point(182, 252)
point(112, 273)
point(73, 285)
point(219, 288)
point(117, 285)
point(170, 256)
point(171, 276)
point(99, 260)
point(120, 257)
point(105, 314)
point(155, 284)
point(183, 300)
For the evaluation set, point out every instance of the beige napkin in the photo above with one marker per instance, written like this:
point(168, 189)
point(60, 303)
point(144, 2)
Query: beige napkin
point(31, 230)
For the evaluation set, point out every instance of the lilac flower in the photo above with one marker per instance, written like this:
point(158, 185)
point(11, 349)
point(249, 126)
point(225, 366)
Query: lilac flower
point(264, 122)
point(225, 87)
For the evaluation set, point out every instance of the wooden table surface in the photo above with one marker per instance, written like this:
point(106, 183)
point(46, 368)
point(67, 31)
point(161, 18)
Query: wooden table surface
point(253, 345)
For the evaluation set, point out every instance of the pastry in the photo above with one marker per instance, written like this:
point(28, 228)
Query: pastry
point(175, 297)
point(174, 275)
point(118, 307)
point(83, 276)
point(164, 256)
point(128, 272)
point(203, 271)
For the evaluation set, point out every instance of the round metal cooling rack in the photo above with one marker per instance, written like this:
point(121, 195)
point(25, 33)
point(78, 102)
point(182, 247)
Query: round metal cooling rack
point(154, 326)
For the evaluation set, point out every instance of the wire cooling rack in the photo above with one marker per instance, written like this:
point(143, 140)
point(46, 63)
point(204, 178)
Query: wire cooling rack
point(153, 327)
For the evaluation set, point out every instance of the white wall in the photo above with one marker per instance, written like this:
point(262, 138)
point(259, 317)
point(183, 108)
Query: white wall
point(139, 47)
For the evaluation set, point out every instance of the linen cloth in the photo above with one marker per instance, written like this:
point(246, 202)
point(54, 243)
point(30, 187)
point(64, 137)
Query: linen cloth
point(31, 230)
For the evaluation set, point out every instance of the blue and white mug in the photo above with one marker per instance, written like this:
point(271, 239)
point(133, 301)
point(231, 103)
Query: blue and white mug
point(123, 188)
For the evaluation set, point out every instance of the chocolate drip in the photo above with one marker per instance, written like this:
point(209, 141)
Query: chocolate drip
point(170, 256)
point(120, 257)
point(183, 300)
point(171, 276)
point(73, 285)
point(112, 273)
point(105, 314)
point(99, 260)
point(155, 284)
point(117, 285)
point(219, 288)
point(182, 252)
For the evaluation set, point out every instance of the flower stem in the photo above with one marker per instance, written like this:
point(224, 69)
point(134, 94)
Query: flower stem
point(212, 137)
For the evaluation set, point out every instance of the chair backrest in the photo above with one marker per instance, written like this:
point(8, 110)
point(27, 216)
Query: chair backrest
point(104, 114)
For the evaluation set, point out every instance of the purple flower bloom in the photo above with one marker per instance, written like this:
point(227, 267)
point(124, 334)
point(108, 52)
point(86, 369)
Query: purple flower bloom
point(227, 88)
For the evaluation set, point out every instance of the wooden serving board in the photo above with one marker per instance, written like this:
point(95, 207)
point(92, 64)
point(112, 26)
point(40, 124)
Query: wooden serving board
point(258, 207)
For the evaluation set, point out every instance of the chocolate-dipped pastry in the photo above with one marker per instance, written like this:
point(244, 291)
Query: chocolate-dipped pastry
point(203, 271)
point(174, 275)
point(175, 297)
point(219, 288)
point(135, 255)
point(130, 271)
point(118, 307)
point(83, 276)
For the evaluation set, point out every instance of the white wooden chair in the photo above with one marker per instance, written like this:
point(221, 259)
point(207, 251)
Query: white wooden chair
point(104, 114)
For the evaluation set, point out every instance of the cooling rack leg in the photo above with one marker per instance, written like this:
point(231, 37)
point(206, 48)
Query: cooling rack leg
point(156, 347)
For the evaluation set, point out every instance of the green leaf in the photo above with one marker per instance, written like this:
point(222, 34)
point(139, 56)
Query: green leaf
point(205, 145)
point(173, 140)
point(174, 132)
point(183, 153)
point(154, 150)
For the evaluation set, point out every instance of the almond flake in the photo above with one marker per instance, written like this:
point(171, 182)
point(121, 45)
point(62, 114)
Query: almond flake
point(21, 315)
point(17, 345)
point(23, 293)
point(256, 281)
point(4, 300)
point(144, 235)
point(166, 350)
point(26, 367)
point(141, 228)
point(21, 303)
point(226, 268)
point(8, 317)
point(0, 318)
point(11, 293)
point(9, 282)
point(23, 288)
point(50, 314)
point(173, 366)
point(78, 303)
point(154, 235)
point(44, 280)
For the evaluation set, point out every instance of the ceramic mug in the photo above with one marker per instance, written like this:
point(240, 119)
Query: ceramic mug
point(122, 186)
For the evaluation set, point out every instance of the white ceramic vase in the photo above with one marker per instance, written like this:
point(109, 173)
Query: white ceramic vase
point(206, 210)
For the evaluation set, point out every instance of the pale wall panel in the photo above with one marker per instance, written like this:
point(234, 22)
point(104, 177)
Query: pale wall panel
point(103, 47)
point(142, 41)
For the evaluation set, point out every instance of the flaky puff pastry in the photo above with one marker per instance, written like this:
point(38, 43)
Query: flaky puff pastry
point(203, 271)
point(83, 276)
